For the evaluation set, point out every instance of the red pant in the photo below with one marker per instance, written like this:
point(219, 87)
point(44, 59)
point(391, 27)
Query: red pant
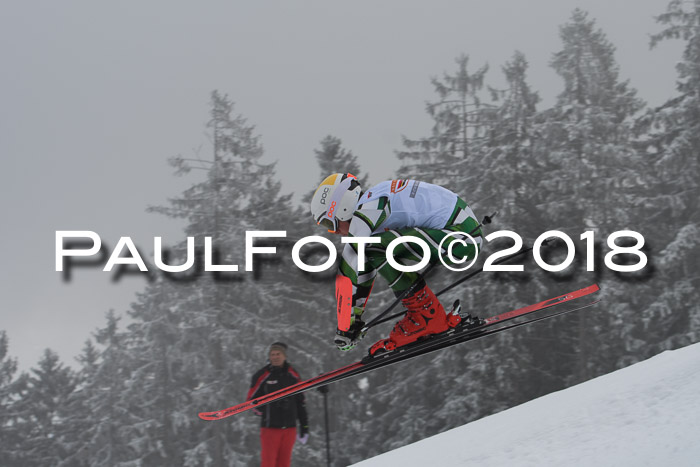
point(277, 444)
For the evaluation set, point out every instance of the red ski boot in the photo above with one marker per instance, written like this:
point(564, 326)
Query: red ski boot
point(425, 316)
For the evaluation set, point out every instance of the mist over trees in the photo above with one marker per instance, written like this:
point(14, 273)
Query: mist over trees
point(599, 159)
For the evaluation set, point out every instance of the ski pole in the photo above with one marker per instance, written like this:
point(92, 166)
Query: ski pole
point(324, 390)
point(378, 319)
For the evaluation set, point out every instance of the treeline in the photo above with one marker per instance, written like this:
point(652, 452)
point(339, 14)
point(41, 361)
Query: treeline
point(599, 159)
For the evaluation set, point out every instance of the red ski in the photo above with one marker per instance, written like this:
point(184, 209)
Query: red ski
point(462, 333)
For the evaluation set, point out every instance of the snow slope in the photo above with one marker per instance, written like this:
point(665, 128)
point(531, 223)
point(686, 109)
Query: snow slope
point(647, 414)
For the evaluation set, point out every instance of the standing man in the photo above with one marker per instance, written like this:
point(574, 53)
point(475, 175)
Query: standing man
point(279, 419)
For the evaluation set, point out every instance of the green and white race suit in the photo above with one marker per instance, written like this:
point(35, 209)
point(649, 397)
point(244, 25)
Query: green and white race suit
point(396, 208)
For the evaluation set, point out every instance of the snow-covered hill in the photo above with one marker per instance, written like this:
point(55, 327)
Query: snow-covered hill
point(647, 414)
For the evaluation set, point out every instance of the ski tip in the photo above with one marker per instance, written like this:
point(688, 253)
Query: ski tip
point(208, 416)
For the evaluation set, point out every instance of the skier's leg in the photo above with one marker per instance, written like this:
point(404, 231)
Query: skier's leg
point(288, 436)
point(411, 253)
point(425, 314)
point(269, 446)
point(405, 254)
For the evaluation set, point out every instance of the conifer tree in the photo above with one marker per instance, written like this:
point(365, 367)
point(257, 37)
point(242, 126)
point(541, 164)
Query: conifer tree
point(593, 175)
point(99, 407)
point(198, 341)
point(39, 413)
point(80, 419)
point(673, 143)
point(510, 165)
point(332, 157)
point(586, 136)
point(10, 436)
point(462, 121)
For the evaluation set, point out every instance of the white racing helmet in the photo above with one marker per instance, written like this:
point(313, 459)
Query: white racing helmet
point(335, 200)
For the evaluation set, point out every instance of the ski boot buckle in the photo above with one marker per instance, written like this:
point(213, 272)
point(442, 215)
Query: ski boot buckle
point(384, 345)
point(453, 317)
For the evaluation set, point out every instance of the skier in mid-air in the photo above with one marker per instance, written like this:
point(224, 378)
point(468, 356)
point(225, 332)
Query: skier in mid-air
point(387, 211)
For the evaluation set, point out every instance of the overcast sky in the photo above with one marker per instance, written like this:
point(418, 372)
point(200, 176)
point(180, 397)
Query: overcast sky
point(95, 96)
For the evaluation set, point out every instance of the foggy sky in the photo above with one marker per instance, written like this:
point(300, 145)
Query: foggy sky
point(96, 96)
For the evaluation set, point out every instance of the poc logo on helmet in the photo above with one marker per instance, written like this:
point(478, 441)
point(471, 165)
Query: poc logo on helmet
point(324, 195)
point(331, 209)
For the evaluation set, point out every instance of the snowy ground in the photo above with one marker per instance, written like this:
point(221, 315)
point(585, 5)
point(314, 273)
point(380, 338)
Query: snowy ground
point(645, 415)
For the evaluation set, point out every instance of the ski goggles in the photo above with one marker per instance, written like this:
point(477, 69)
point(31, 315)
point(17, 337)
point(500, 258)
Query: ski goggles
point(326, 223)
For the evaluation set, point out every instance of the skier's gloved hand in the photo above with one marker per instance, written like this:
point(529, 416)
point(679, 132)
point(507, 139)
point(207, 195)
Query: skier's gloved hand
point(303, 435)
point(347, 340)
point(343, 341)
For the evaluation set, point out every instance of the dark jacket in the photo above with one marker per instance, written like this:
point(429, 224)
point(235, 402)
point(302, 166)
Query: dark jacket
point(283, 413)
